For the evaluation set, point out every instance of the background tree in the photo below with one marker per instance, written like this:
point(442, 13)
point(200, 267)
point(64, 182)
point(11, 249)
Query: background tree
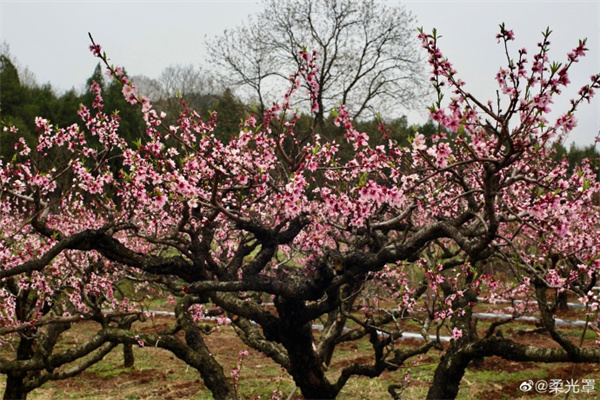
point(12, 102)
point(184, 81)
point(576, 155)
point(367, 55)
point(11, 85)
point(177, 84)
point(180, 87)
point(231, 113)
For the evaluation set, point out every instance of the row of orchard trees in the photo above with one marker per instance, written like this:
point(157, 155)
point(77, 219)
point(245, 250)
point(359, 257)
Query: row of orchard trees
point(277, 212)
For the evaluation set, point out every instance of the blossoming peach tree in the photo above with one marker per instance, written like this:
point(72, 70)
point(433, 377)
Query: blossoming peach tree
point(278, 231)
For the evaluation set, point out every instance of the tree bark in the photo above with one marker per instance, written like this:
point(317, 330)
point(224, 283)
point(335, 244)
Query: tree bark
point(128, 358)
point(306, 367)
point(562, 301)
point(15, 381)
point(15, 387)
point(448, 374)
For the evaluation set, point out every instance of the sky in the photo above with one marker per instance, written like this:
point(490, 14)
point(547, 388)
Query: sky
point(50, 38)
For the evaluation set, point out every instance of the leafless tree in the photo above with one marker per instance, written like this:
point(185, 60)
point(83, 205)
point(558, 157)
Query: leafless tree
point(367, 54)
point(184, 80)
point(176, 83)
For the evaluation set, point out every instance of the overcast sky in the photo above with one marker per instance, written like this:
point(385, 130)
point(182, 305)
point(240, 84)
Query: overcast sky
point(50, 38)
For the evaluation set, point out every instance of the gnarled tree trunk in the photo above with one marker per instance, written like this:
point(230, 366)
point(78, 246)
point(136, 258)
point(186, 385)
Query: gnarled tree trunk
point(306, 367)
point(448, 374)
point(16, 388)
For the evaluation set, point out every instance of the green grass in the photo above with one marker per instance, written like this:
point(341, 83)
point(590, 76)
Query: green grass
point(107, 371)
point(589, 334)
point(489, 376)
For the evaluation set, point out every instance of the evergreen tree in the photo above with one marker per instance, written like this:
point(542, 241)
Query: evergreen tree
point(12, 101)
point(576, 155)
point(10, 87)
point(230, 113)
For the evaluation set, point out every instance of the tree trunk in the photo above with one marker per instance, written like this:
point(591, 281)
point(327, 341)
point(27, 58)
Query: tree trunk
point(15, 387)
point(210, 370)
point(562, 301)
point(15, 382)
point(306, 367)
point(331, 331)
point(448, 374)
point(128, 358)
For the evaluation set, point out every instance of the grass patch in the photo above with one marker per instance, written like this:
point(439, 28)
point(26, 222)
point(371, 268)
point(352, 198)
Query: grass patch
point(488, 376)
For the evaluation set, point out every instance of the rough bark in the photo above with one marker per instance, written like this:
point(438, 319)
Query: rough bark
point(306, 367)
point(448, 374)
point(34, 382)
point(128, 357)
point(15, 387)
point(15, 380)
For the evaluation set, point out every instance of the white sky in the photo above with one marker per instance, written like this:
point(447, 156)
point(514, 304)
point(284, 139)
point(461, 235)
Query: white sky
point(50, 38)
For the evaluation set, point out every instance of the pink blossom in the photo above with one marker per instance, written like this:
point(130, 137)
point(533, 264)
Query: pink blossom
point(456, 333)
point(418, 143)
point(96, 50)
point(129, 93)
